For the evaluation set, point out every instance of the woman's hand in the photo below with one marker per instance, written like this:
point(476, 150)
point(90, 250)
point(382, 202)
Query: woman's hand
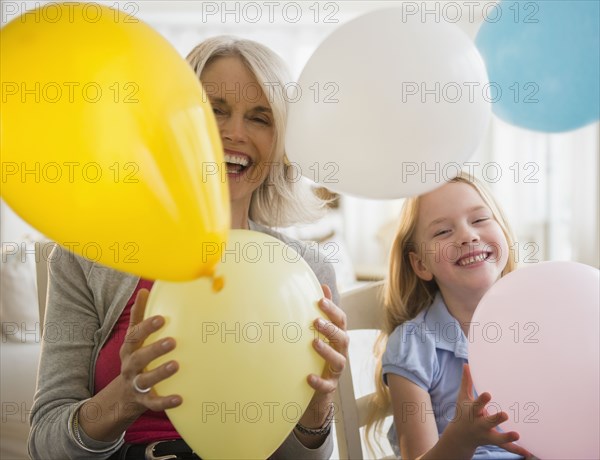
point(335, 352)
point(119, 404)
point(474, 426)
point(135, 357)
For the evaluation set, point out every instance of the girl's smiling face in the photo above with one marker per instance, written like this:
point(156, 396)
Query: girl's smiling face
point(459, 242)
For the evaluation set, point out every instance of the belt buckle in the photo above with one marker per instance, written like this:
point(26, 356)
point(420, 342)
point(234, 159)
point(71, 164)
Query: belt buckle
point(149, 453)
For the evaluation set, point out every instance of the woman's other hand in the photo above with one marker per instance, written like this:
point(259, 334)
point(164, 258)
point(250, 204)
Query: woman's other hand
point(334, 350)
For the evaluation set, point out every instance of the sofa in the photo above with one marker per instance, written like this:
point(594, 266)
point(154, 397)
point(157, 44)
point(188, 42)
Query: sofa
point(19, 346)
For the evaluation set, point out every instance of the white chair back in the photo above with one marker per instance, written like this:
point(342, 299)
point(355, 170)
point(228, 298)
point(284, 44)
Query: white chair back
point(364, 310)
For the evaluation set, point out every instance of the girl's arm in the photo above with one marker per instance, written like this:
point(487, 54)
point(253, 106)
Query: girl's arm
point(472, 426)
point(413, 417)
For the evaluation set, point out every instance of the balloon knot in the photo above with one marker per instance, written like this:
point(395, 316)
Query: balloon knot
point(218, 283)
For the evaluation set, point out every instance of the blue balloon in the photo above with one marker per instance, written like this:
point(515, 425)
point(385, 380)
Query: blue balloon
point(543, 61)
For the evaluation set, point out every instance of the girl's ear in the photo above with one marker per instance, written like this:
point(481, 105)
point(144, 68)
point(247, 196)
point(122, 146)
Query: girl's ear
point(419, 267)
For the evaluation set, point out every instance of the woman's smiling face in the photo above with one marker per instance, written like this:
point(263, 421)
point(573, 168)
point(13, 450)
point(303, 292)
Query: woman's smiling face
point(246, 125)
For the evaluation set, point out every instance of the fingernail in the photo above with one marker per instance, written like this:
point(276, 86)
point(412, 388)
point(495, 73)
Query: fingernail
point(167, 344)
point(321, 322)
point(326, 302)
point(171, 366)
point(156, 322)
point(319, 343)
point(312, 379)
point(175, 400)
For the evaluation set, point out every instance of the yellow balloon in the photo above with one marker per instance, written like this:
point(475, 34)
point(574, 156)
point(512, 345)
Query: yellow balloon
point(108, 142)
point(244, 351)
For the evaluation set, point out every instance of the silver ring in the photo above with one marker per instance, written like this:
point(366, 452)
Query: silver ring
point(137, 388)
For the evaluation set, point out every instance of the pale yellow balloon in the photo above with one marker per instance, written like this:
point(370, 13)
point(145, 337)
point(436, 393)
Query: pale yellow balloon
point(244, 352)
point(109, 145)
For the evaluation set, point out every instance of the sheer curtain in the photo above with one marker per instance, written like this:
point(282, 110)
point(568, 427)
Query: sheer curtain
point(551, 195)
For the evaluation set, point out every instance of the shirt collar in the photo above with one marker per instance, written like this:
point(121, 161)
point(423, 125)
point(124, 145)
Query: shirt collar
point(445, 328)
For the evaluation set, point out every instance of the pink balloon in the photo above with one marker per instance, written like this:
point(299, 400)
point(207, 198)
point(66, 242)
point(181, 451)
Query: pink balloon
point(534, 345)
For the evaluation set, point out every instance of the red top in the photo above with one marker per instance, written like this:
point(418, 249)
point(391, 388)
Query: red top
point(150, 426)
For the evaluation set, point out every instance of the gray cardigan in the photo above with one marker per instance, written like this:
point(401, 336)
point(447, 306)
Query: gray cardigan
point(85, 300)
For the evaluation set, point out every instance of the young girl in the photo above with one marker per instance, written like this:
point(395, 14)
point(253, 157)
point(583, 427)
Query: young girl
point(452, 245)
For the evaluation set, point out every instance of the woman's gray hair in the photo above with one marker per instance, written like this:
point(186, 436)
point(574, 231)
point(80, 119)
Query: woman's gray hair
point(283, 198)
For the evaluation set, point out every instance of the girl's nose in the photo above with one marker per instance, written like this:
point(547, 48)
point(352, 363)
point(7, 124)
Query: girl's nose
point(468, 235)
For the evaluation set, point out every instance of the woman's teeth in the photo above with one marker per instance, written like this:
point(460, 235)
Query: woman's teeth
point(236, 163)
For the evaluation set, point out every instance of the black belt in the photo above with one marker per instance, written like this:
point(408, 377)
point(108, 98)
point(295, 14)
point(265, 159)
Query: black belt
point(159, 450)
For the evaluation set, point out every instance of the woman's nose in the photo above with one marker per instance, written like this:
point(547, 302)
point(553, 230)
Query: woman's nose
point(233, 129)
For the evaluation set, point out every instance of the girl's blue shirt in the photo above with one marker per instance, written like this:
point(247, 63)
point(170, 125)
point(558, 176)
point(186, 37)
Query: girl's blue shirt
point(430, 351)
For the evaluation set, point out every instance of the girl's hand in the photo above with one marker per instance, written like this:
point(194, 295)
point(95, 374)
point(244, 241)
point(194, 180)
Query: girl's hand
point(474, 426)
point(335, 353)
point(135, 357)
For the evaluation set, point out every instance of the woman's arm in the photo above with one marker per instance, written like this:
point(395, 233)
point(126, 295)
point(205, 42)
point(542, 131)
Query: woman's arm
point(120, 393)
point(66, 420)
point(334, 352)
point(71, 324)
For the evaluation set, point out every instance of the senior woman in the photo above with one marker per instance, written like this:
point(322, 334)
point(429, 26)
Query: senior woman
point(93, 398)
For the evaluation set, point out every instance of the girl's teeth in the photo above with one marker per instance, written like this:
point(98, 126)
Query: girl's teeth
point(472, 260)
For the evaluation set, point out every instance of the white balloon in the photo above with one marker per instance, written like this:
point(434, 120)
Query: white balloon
point(390, 106)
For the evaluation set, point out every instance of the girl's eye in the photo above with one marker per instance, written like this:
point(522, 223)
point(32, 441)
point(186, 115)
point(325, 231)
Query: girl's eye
point(218, 111)
point(481, 219)
point(441, 232)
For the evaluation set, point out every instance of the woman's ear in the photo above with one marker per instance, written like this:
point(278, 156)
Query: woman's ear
point(419, 267)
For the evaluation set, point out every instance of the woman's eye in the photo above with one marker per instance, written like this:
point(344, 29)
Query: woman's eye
point(441, 232)
point(262, 121)
point(481, 219)
point(218, 111)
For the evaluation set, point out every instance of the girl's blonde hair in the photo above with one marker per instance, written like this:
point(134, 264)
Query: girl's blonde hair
point(406, 295)
point(282, 199)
